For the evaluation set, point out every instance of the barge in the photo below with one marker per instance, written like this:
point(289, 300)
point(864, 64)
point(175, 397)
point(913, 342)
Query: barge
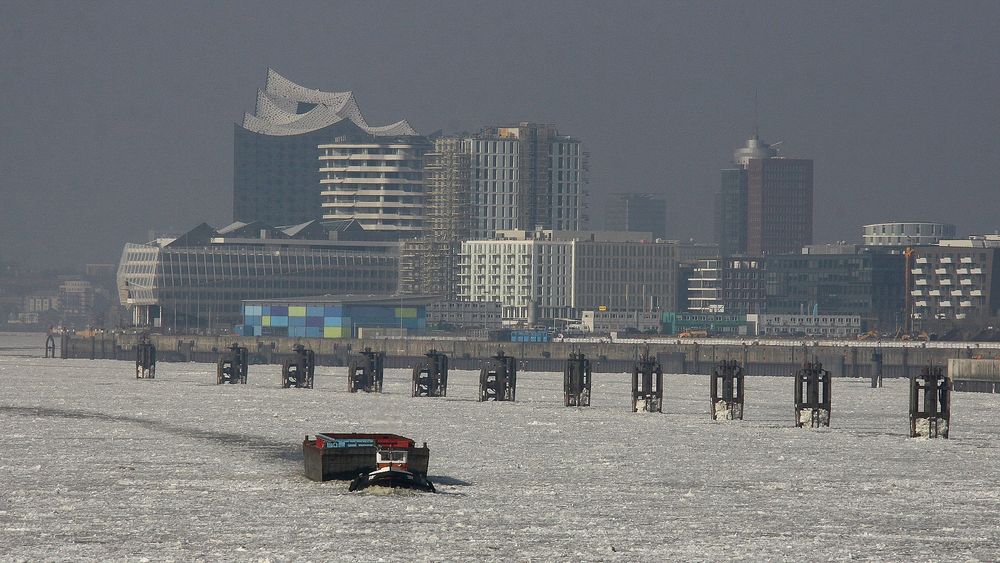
point(388, 460)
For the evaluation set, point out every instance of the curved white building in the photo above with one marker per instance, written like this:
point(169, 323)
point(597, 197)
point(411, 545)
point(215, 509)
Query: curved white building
point(380, 184)
point(914, 233)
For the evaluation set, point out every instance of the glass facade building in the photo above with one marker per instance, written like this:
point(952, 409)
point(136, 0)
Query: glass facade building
point(638, 213)
point(198, 281)
point(868, 284)
point(731, 216)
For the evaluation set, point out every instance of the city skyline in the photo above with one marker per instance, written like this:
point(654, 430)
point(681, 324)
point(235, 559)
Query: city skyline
point(118, 119)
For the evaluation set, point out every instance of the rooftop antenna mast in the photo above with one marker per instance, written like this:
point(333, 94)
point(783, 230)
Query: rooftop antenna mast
point(756, 116)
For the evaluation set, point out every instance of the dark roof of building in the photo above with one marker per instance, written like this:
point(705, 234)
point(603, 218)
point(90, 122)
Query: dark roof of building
point(342, 225)
point(310, 230)
point(349, 299)
point(197, 236)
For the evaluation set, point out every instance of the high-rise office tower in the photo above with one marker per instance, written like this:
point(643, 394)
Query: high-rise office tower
point(765, 204)
point(637, 213)
point(276, 176)
point(779, 205)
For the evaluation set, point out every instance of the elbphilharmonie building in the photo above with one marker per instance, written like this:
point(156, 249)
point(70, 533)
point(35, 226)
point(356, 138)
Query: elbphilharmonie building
point(276, 177)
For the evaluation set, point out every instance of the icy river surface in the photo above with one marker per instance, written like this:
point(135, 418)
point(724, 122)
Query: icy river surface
point(95, 464)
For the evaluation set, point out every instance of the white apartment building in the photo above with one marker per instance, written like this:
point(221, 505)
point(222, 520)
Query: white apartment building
point(557, 274)
point(956, 280)
point(530, 278)
point(704, 291)
point(380, 184)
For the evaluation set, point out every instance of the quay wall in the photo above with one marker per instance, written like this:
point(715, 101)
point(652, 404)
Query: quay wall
point(696, 357)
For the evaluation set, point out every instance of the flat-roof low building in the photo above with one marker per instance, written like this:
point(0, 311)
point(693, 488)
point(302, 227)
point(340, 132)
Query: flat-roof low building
point(604, 322)
point(465, 314)
point(826, 326)
point(729, 324)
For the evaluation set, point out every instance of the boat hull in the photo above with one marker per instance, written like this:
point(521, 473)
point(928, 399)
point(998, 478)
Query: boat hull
point(392, 478)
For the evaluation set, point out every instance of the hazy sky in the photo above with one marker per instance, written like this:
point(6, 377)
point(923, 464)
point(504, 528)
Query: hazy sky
point(117, 117)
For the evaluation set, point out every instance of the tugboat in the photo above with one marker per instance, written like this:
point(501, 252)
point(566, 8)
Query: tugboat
point(384, 460)
point(393, 472)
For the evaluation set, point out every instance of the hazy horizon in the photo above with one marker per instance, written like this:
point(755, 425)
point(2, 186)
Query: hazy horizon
point(118, 117)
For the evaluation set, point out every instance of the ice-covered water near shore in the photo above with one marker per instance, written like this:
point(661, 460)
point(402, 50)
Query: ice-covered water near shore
point(95, 464)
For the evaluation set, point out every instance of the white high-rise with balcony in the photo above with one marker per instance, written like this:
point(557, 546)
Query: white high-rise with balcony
point(378, 183)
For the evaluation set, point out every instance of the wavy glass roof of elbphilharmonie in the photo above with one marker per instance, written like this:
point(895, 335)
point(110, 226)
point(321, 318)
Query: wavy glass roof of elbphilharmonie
point(286, 108)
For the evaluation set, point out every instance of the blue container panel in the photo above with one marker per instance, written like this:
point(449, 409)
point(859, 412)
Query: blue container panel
point(296, 321)
point(252, 310)
point(334, 311)
point(314, 321)
point(279, 321)
point(257, 330)
point(297, 331)
point(333, 321)
point(313, 311)
point(279, 310)
point(314, 332)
